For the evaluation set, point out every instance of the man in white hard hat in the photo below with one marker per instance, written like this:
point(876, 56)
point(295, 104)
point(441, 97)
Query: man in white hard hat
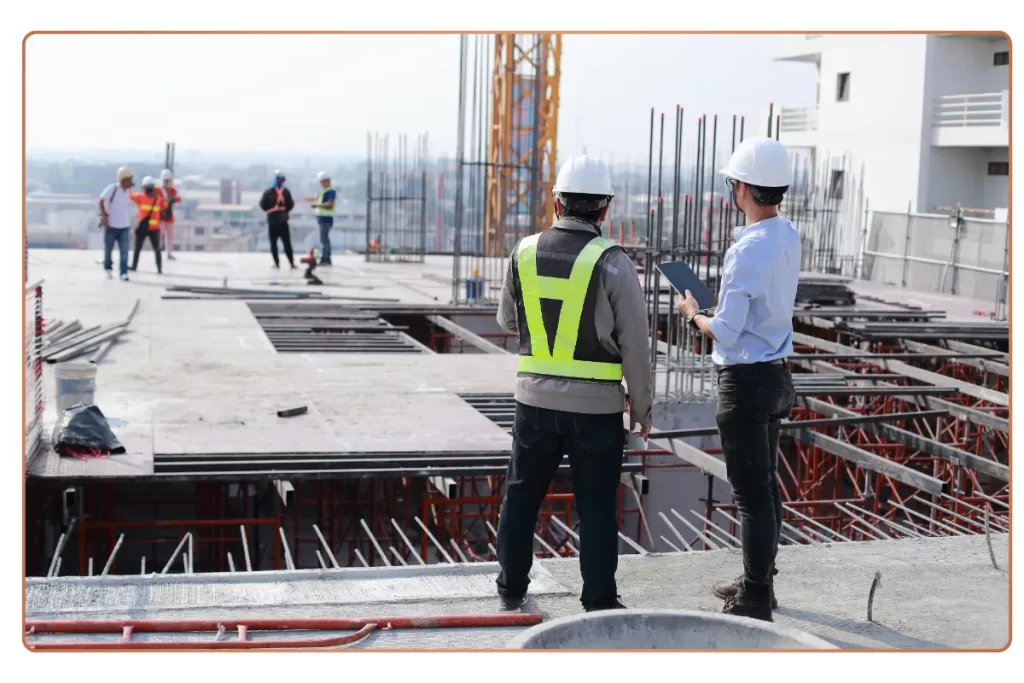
point(323, 208)
point(115, 219)
point(752, 329)
point(171, 197)
point(277, 202)
point(574, 302)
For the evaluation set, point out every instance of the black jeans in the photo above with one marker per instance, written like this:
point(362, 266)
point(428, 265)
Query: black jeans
point(594, 444)
point(142, 233)
point(752, 401)
point(280, 231)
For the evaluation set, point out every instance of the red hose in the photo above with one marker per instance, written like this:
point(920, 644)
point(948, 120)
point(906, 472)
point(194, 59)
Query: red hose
point(365, 626)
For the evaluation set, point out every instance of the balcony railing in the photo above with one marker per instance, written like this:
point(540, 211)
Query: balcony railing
point(984, 109)
point(798, 119)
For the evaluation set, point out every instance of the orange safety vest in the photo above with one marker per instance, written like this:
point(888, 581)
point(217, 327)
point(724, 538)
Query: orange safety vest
point(172, 194)
point(149, 207)
point(280, 201)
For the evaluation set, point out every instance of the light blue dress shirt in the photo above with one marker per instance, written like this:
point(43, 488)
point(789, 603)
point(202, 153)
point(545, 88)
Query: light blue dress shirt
point(753, 321)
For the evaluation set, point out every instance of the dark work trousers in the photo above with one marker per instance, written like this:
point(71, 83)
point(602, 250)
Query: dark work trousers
point(594, 444)
point(280, 231)
point(325, 224)
point(752, 401)
point(142, 233)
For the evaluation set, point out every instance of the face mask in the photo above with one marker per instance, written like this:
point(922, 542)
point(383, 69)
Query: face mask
point(149, 191)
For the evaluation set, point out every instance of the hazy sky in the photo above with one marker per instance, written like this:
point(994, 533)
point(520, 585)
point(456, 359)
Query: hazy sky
point(320, 94)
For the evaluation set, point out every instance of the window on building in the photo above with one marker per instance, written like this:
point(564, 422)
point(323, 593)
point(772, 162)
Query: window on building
point(999, 168)
point(216, 231)
point(1001, 59)
point(842, 87)
point(836, 186)
point(199, 232)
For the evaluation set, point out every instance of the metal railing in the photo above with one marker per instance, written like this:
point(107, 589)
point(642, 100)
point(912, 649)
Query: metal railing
point(978, 109)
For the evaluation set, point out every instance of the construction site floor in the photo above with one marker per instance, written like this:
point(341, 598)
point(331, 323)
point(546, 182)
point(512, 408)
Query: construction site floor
point(934, 594)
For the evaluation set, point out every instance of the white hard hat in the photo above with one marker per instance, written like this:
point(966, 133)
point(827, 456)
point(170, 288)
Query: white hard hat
point(149, 181)
point(584, 175)
point(279, 173)
point(166, 174)
point(759, 161)
point(123, 173)
point(322, 176)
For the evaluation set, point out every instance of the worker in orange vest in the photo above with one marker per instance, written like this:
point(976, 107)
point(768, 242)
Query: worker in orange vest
point(151, 203)
point(171, 197)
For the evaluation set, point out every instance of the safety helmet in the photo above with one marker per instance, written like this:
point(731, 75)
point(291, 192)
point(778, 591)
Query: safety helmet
point(279, 174)
point(584, 175)
point(166, 174)
point(149, 181)
point(762, 162)
point(124, 173)
point(322, 176)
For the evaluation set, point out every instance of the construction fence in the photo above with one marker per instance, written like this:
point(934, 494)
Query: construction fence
point(951, 254)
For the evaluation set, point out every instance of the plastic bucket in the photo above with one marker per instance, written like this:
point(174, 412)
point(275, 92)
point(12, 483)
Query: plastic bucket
point(655, 629)
point(76, 384)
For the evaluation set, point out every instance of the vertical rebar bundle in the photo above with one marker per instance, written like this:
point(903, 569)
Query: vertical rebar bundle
point(396, 198)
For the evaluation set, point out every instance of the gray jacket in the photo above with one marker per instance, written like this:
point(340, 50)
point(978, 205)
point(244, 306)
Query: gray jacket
point(622, 328)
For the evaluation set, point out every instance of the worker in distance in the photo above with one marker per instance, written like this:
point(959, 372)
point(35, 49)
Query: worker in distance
point(574, 302)
point(752, 332)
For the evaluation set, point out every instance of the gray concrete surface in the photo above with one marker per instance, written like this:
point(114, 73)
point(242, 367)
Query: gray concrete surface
point(935, 594)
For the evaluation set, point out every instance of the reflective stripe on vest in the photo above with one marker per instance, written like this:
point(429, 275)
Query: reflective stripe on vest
point(150, 213)
point(572, 292)
point(321, 211)
point(279, 206)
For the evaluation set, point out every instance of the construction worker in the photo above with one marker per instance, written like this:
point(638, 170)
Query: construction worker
point(151, 203)
point(323, 208)
point(277, 203)
point(115, 219)
point(752, 329)
point(171, 197)
point(574, 302)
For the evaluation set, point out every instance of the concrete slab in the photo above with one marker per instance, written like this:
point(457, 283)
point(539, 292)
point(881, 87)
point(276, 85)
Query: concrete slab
point(195, 376)
point(936, 594)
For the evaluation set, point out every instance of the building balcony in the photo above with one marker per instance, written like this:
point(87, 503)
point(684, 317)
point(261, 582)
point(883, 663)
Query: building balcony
point(971, 120)
point(798, 126)
point(805, 47)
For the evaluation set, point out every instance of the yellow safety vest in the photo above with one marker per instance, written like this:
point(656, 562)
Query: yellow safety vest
point(321, 211)
point(572, 292)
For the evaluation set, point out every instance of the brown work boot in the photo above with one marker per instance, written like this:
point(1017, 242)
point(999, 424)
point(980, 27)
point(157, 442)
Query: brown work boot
point(728, 589)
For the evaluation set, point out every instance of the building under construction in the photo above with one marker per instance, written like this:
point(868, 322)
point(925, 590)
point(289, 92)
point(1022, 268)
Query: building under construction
point(336, 452)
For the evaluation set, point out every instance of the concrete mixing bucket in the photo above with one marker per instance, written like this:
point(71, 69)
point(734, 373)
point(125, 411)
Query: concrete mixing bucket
point(655, 629)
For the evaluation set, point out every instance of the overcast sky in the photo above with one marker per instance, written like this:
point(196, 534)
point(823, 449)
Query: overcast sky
point(320, 94)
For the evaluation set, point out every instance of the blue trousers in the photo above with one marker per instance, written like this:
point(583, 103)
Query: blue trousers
point(122, 236)
point(325, 238)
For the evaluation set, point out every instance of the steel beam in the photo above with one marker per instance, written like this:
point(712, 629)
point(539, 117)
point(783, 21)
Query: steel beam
point(466, 335)
point(933, 378)
point(918, 442)
point(706, 462)
point(872, 462)
point(929, 351)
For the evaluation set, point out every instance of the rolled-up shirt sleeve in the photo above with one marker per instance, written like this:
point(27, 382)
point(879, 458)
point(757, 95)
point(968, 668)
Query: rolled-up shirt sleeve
point(739, 285)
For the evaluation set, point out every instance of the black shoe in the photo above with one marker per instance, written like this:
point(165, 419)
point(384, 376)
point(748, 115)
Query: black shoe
point(602, 605)
point(294, 267)
point(510, 603)
point(743, 604)
point(276, 266)
point(171, 258)
point(728, 589)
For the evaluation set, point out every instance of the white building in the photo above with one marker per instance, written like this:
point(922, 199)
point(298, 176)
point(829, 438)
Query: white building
point(925, 116)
